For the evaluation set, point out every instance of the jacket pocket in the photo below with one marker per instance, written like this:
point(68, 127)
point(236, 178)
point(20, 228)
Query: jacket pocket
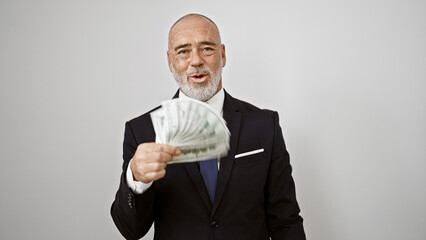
point(249, 157)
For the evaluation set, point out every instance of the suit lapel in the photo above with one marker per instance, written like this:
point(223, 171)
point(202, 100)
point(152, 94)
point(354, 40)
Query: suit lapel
point(233, 119)
point(195, 175)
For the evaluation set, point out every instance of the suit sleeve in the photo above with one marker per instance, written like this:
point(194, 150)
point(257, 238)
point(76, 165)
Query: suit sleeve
point(132, 213)
point(282, 209)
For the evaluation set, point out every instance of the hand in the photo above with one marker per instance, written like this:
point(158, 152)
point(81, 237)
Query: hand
point(150, 161)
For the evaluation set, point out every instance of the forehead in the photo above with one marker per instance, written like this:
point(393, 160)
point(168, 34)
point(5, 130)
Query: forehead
point(193, 30)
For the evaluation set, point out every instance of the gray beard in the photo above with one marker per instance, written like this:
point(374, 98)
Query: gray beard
point(200, 91)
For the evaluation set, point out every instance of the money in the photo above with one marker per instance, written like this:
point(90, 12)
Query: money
point(194, 127)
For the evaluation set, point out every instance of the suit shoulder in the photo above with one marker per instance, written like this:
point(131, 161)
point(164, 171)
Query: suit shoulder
point(142, 119)
point(141, 128)
point(246, 107)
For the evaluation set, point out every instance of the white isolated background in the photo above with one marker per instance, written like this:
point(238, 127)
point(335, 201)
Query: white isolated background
point(347, 77)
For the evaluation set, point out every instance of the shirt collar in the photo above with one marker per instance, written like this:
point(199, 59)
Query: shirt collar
point(216, 102)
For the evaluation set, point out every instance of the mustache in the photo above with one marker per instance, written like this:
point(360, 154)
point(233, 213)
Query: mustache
point(198, 71)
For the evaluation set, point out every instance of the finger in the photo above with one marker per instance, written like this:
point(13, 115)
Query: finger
point(150, 162)
point(150, 176)
point(142, 160)
point(155, 175)
point(158, 157)
point(154, 167)
point(148, 172)
point(156, 147)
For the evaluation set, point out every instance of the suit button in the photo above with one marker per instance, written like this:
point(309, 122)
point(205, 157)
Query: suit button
point(130, 200)
point(214, 225)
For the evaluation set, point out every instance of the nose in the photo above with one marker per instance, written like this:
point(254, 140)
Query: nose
point(196, 59)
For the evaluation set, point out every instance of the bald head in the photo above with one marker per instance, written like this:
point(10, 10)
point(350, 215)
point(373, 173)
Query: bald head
point(190, 21)
point(196, 56)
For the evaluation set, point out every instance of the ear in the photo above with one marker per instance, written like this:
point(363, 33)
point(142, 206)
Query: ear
point(223, 55)
point(169, 61)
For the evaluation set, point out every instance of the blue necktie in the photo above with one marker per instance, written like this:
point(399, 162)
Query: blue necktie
point(209, 170)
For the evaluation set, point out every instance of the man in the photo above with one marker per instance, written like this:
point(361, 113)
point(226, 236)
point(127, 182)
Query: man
point(254, 196)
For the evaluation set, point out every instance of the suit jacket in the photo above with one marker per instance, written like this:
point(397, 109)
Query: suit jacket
point(255, 195)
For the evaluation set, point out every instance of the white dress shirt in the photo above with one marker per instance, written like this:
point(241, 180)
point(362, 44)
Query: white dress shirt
point(216, 102)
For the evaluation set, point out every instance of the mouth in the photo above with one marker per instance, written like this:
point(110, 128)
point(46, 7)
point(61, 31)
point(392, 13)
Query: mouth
point(198, 78)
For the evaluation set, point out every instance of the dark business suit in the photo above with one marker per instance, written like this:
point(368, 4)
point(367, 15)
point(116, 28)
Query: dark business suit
point(255, 195)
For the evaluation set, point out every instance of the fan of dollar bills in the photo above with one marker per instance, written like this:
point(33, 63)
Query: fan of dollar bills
point(193, 126)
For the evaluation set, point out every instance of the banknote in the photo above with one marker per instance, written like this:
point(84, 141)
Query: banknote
point(194, 127)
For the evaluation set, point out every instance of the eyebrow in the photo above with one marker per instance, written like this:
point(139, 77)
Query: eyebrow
point(182, 46)
point(188, 45)
point(208, 43)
